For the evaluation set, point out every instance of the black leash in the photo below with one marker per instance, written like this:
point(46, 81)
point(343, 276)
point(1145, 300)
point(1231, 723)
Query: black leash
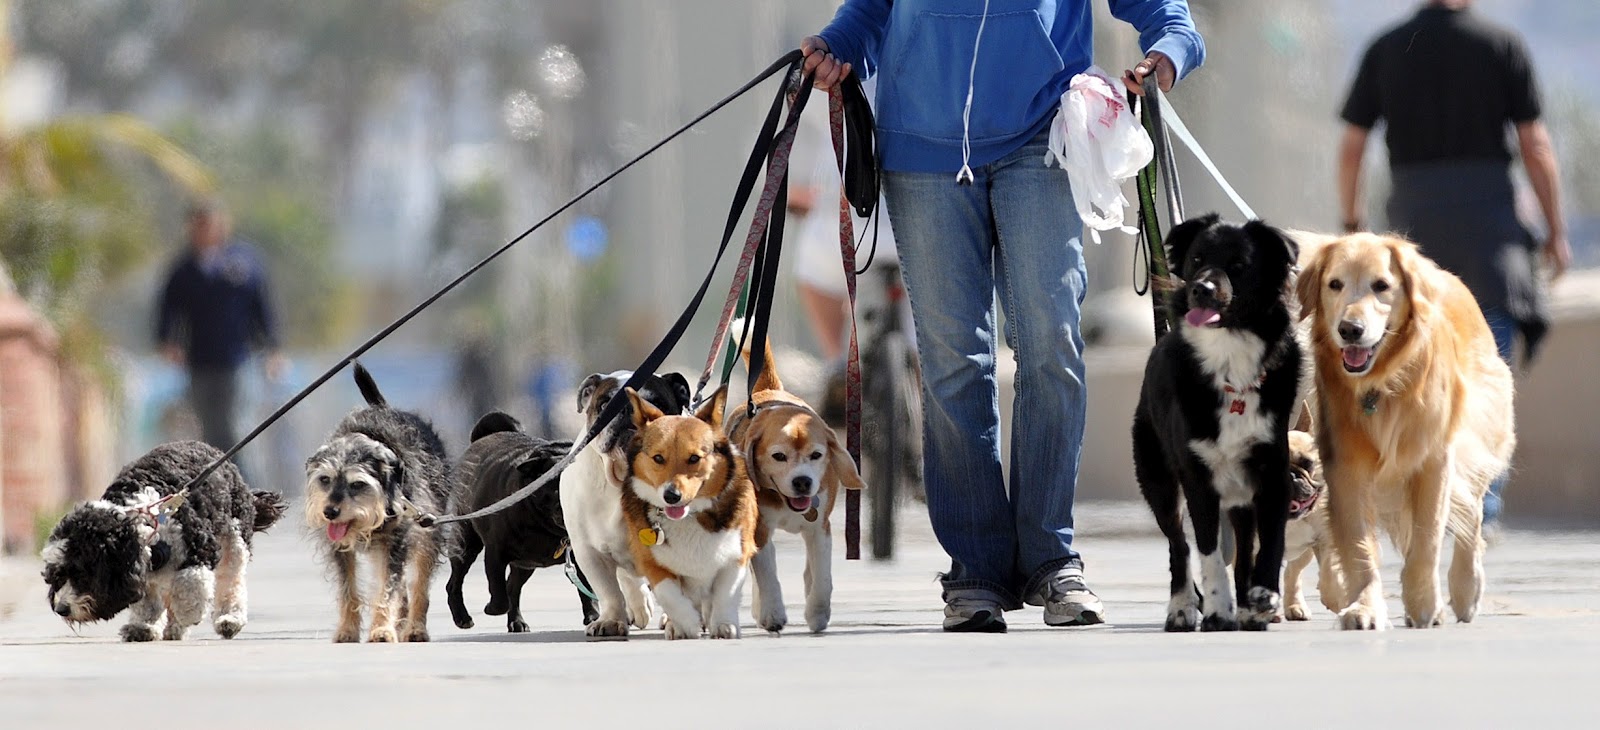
point(1151, 242)
point(769, 147)
point(790, 61)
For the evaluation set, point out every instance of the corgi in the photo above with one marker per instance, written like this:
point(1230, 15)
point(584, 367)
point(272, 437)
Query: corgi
point(691, 510)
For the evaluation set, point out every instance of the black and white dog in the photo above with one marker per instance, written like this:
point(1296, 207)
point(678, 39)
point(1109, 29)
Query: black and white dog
point(142, 545)
point(527, 535)
point(379, 468)
point(1211, 429)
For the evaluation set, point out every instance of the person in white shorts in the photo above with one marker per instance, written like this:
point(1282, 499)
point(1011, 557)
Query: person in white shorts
point(814, 199)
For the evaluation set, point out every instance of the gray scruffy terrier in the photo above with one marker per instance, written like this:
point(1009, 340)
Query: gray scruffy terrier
point(169, 556)
point(375, 473)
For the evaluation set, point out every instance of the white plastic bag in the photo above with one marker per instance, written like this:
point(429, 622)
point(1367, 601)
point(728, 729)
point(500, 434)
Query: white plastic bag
point(1096, 137)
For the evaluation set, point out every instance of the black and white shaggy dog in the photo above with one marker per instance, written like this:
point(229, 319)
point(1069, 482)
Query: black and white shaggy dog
point(526, 536)
point(139, 545)
point(1212, 426)
point(365, 486)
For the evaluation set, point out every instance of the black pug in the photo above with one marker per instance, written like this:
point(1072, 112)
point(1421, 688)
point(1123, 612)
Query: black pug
point(525, 536)
point(1212, 426)
point(140, 545)
point(364, 486)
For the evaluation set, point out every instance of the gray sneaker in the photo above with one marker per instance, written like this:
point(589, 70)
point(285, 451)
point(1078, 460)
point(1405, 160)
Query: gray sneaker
point(981, 615)
point(1067, 599)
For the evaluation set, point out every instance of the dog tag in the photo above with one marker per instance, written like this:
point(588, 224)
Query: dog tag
point(652, 536)
point(811, 515)
point(1237, 408)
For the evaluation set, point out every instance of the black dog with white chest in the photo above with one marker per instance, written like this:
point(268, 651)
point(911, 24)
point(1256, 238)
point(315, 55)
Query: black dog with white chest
point(528, 535)
point(1212, 425)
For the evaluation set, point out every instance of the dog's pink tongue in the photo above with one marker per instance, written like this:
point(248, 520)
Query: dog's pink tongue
point(1357, 356)
point(799, 504)
point(1202, 317)
point(676, 512)
point(337, 530)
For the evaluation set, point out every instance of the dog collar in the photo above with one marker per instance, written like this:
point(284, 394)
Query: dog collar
point(156, 513)
point(1369, 402)
point(1237, 406)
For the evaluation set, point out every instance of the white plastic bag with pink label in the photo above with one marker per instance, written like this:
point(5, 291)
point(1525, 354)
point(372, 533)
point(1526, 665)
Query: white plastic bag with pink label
point(1100, 143)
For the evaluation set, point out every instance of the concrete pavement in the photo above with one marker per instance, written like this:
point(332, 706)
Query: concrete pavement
point(1529, 661)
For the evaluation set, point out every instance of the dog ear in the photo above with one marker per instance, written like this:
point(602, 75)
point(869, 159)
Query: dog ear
point(643, 411)
point(586, 390)
point(1275, 244)
point(711, 411)
point(1416, 274)
point(1308, 283)
point(842, 466)
point(1181, 236)
point(680, 388)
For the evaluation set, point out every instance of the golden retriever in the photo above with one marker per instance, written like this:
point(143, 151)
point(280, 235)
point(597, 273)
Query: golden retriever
point(1414, 419)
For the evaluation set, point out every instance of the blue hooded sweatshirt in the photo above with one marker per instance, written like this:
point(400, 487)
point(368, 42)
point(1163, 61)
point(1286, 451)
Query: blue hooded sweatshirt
point(922, 52)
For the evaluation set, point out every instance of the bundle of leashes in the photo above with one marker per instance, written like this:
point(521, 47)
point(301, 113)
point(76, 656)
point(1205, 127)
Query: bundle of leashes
point(761, 251)
point(1158, 117)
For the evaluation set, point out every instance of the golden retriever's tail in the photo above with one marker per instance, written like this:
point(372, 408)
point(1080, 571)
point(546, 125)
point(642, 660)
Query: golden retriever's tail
point(769, 374)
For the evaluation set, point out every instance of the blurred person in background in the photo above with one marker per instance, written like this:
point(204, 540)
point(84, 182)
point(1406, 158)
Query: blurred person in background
point(1448, 83)
point(215, 312)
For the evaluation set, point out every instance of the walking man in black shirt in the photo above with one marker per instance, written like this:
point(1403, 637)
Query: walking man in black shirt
point(1448, 83)
point(214, 311)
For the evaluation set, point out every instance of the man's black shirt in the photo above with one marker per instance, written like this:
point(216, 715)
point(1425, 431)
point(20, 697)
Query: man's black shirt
point(1446, 82)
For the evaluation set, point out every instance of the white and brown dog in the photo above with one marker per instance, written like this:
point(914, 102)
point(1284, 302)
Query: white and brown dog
point(692, 511)
point(591, 505)
point(798, 468)
point(1307, 535)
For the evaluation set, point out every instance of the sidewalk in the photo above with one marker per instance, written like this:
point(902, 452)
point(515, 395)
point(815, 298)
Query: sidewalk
point(1527, 662)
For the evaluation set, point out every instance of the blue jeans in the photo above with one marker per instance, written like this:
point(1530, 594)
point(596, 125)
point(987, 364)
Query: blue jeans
point(1013, 231)
point(1505, 338)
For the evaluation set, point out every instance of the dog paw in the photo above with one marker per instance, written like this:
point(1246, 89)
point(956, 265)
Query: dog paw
point(674, 633)
point(517, 626)
point(772, 620)
point(463, 620)
point(228, 626)
point(817, 618)
point(347, 634)
point(641, 614)
point(725, 631)
point(416, 635)
point(382, 635)
point(606, 628)
point(1219, 622)
point(496, 607)
point(1260, 609)
point(1426, 622)
point(1297, 612)
point(1183, 619)
point(174, 632)
point(138, 633)
point(1361, 618)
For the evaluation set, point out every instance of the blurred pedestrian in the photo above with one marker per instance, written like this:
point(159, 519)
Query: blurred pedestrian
point(1447, 83)
point(963, 109)
point(215, 312)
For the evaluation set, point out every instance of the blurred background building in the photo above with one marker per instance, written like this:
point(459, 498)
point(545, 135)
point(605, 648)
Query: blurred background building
point(374, 150)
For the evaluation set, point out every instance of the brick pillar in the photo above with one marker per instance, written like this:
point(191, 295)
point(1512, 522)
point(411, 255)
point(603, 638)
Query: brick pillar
point(32, 477)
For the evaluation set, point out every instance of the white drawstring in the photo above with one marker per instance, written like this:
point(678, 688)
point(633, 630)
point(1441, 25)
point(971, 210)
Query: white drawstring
point(965, 176)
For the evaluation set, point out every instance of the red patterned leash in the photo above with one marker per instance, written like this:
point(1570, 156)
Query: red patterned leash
point(777, 171)
point(852, 370)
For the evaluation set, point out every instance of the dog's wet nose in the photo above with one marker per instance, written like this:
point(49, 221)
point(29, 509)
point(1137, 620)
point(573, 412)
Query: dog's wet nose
point(331, 512)
point(63, 610)
point(802, 485)
point(671, 496)
point(1351, 331)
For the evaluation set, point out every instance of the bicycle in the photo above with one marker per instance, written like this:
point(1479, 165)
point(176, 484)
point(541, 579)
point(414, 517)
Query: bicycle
point(891, 403)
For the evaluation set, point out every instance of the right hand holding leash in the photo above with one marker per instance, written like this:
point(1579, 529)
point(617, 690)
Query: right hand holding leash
point(819, 61)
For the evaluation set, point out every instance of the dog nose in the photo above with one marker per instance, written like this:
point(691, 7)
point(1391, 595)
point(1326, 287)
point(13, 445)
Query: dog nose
point(63, 610)
point(1351, 331)
point(802, 485)
point(671, 496)
point(331, 512)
